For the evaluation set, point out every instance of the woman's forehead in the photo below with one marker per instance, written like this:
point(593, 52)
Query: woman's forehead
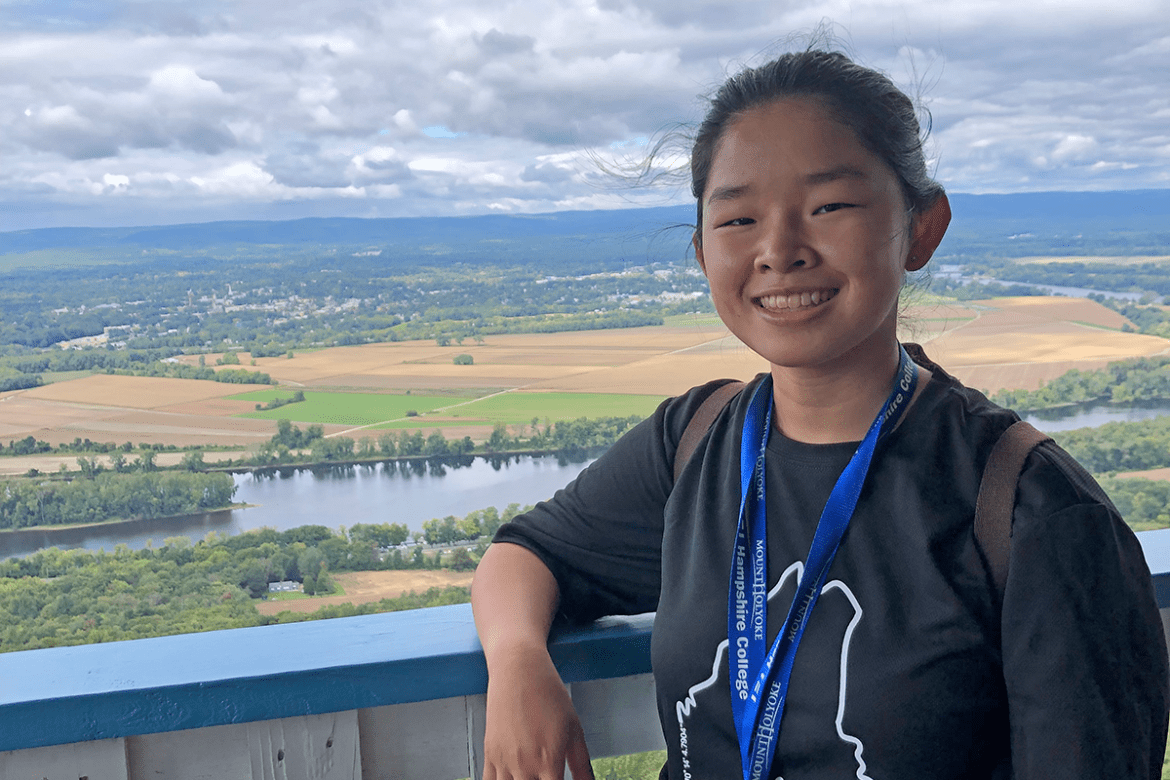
point(798, 134)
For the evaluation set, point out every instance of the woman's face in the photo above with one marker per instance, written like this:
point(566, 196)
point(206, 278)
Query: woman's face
point(805, 237)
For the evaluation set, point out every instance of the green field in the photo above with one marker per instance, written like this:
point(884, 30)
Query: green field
point(705, 319)
point(522, 407)
point(389, 411)
point(344, 408)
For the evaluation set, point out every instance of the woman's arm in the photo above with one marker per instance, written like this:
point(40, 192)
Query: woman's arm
point(531, 729)
point(1084, 655)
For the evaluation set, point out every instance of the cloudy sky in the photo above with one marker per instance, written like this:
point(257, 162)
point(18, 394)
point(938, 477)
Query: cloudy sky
point(133, 112)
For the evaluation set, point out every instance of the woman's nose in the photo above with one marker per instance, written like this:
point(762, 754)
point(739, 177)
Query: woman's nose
point(783, 246)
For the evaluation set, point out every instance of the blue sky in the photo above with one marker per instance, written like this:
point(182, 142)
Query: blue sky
point(148, 112)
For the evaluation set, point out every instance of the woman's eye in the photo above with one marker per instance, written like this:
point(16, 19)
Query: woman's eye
point(738, 222)
point(830, 207)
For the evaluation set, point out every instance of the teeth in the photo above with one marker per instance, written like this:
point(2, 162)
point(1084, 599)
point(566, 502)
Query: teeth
point(796, 300)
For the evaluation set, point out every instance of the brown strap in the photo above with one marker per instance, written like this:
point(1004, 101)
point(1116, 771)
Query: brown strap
point(997, 496)
point(701, 422)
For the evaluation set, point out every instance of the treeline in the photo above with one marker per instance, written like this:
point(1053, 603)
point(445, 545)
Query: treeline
point(288, 445)
point(972, 291)
point(56, 597)
point(1115, 277)
point(19, 372)
point(1144, 503)
point(1146, 317)
point(276, 403)
point(26, 503)
point(235, 376)
point(11, 379)
point(1120, 446)
point(33, 446)
point(1125, 381)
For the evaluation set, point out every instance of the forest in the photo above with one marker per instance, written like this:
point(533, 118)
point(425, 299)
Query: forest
point(1123, 381)
point(56, 597)
point(104, 496)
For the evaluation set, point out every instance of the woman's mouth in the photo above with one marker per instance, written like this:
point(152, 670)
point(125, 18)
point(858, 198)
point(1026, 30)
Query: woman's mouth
point(794, 301)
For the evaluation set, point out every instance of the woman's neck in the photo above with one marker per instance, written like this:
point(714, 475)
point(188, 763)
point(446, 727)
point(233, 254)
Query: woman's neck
point(831, 404)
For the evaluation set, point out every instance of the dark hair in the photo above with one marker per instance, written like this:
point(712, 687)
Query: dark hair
point(864, 100)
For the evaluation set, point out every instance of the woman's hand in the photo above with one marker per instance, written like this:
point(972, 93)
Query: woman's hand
point(532, 728)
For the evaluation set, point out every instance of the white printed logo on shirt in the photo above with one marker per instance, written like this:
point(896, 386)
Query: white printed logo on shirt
point(791, 575)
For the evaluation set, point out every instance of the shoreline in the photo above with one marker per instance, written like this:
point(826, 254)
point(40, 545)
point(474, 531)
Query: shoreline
point(119, 521)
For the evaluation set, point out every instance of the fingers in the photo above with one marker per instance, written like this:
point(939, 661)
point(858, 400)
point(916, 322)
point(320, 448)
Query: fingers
point(578, 758)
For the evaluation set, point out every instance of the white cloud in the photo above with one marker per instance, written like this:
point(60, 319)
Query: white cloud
point(208, 103)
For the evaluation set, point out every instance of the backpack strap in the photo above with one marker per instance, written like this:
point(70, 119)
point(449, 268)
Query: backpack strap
point(700, 423)
point(997, 497)
point(997, 488)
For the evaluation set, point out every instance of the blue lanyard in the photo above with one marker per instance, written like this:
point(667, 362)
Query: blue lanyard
point(758, 687)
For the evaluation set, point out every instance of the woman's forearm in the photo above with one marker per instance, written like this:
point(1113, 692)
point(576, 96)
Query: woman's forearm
point(514, 597)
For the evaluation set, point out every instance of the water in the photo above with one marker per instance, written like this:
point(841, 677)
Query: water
point(1094, 415)
point(331, 496)
point(953, 271)
point(383, 493)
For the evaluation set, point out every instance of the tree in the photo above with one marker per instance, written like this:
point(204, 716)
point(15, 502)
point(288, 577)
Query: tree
point(435, 445)
point(145, 461)
point(118, 462)
point(386, 444)
point(193, 461)
point(460, 560)
point(463, 360)
point(89, 467)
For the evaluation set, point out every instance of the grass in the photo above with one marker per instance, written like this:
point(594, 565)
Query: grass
point(49, 377)
point(639, 766)
point(343, 408)
point(705, 319)
point(390, 410)
point(520, 408)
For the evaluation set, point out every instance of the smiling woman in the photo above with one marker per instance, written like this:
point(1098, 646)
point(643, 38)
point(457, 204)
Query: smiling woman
point(915, 660)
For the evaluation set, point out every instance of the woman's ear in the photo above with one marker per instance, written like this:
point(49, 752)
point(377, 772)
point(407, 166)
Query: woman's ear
point(697, 243)
point(929, 227)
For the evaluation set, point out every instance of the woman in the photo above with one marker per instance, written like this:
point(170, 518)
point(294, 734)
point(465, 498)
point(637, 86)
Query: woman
point(898, 658)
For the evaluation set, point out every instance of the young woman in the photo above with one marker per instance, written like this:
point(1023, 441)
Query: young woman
point(823, 609)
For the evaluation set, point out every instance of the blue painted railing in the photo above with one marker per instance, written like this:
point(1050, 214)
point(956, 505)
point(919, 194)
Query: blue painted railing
point(74, 694)
point(121, 689)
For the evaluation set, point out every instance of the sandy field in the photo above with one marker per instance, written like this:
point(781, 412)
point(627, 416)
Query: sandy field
point(362, 587)
point(1159, 474)
point(1022, 342)
point(990, 345)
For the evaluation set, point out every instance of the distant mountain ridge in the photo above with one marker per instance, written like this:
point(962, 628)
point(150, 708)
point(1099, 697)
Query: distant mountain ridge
point(1076, 222)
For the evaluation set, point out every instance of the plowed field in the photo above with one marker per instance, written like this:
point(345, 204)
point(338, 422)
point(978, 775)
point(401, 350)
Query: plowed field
point(993, 344)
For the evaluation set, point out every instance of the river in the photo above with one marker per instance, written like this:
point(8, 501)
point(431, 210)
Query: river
point(331, 496)
point(382, 492)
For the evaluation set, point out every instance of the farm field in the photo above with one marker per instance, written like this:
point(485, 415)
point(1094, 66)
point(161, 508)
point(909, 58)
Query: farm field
point(990, 344)
point(345, 408)
point(381, 410)
point(362, 587)
point(1158, 474)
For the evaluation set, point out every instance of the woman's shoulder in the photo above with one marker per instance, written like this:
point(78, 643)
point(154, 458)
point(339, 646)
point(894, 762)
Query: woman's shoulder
point(952, 413)
point(1050, 481)
point(714, 397)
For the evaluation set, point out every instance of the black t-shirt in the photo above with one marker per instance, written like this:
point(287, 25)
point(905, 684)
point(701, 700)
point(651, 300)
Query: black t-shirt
point(902, 674)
